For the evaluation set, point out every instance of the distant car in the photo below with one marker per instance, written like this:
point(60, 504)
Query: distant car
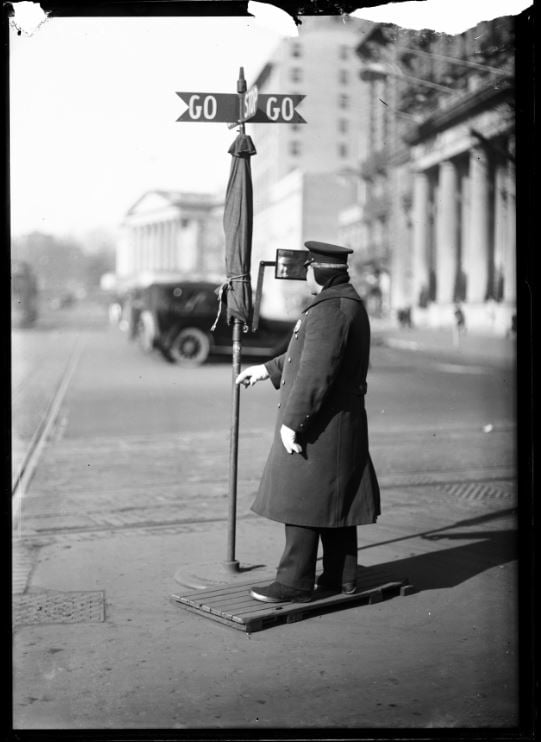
point(175, 317)
point(24, 294)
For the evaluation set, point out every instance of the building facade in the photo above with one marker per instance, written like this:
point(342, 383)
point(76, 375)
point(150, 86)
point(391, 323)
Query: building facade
point(168, 232)
point(302, 172)
point(436, 216)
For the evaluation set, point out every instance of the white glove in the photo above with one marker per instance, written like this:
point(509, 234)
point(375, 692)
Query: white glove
point(288, 439)
point(252, 375)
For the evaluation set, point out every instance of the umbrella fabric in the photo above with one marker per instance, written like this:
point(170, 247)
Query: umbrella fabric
point(238, 224)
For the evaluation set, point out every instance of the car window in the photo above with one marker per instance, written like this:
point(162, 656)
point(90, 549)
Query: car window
point(201, 302)
point(187, 299)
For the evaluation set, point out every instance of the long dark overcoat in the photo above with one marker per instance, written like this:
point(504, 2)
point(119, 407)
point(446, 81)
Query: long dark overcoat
point(322, 382)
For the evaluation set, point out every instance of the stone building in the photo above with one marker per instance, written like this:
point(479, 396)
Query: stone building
point(168, 232)
point(437, 208)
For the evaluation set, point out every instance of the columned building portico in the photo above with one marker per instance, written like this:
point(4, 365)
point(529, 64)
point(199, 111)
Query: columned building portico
point(168, 232)
point(463, 245)
point(471, 248)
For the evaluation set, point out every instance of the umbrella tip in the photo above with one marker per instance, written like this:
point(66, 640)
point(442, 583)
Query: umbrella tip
point(241, 82)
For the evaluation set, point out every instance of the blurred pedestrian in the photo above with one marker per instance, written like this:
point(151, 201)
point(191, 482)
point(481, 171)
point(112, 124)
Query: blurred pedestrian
point(319, 479)
point(459, 328)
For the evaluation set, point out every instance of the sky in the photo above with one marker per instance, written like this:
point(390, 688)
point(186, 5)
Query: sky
point(93, 104)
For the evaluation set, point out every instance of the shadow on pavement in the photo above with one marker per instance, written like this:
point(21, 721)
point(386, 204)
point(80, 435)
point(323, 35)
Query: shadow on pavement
point(449, 567)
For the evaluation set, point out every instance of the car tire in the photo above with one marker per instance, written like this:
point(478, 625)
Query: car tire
point(146, 332)
point(191, 347)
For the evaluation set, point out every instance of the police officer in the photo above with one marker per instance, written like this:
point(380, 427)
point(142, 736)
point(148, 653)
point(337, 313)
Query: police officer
point(319, 479)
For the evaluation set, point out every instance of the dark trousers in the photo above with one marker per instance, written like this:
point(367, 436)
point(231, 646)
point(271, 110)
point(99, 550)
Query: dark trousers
point(297, 566)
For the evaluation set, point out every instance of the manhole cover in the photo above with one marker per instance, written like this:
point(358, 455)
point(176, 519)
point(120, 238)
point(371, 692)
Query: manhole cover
point(478, 490)
point(59, 607)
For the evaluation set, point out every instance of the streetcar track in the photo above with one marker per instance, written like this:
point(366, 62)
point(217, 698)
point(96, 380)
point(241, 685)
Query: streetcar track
point(106, 521)
point(35, 447)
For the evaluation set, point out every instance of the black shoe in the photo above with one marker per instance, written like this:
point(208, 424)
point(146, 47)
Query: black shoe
point(277, 593)
point(348, 588)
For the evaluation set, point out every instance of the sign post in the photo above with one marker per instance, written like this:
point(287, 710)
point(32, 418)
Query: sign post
point(236, 109)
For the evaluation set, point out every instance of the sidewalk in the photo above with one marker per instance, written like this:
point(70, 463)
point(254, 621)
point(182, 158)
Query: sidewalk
point(472, 346)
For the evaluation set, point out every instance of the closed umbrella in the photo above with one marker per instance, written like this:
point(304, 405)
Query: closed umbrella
point(238, 224)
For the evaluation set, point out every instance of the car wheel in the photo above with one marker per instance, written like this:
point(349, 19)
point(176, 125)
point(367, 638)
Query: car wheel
point(146, 332)
point(190, 347)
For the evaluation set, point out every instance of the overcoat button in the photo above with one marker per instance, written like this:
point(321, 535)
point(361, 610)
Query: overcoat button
point(283, 381)
point(279, 405)
point(289, 360)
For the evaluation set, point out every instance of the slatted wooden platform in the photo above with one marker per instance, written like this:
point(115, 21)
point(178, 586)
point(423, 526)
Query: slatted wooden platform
point(233, 606)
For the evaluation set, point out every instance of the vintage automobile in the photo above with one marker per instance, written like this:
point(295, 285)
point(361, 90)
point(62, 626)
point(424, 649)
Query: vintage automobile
point(176, 317)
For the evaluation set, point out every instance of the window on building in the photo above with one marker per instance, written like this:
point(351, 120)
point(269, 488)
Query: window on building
point(343, 125)
point(296, 74)
point(184, 223)
point(343, 101)
point(344, 52)
point(295, 127)
point(294, 148)
point(342, 150)
point(343, 76)
point(296, 50)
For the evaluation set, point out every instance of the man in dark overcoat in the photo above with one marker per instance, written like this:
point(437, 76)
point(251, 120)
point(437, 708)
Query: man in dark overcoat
point(319, 479)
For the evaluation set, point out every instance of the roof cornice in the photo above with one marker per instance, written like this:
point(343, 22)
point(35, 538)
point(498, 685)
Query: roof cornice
point(465, 107)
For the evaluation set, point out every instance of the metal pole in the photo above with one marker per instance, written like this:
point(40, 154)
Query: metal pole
point(231, 562)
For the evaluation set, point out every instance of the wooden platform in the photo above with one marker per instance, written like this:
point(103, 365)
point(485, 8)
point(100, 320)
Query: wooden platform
point(233, 606)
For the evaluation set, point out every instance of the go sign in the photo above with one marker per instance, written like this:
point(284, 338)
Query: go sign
point(256, 107)
point(210, 107)
point(278, 109)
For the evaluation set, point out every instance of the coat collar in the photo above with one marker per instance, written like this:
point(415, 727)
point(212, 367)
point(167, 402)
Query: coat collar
point(340, 291)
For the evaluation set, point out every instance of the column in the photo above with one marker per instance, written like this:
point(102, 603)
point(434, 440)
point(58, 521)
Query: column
point(446, 233)
point(465, 210)
point(178, 243)
point(151, 255)
point(420, 236)
point(500, 223)
point(476, 255)
point(135, 249)
point(170, 248)
point(144, 246)
point(160, 255)
point(141, 245)
point(510, 253)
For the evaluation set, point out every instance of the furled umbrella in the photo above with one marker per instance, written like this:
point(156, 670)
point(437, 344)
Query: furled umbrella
point(238, 225)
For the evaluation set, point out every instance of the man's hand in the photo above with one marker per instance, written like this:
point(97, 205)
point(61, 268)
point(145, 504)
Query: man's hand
point(252, 375)
point(288, 439)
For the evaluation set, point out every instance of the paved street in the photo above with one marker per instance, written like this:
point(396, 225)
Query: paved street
point(132, 487)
